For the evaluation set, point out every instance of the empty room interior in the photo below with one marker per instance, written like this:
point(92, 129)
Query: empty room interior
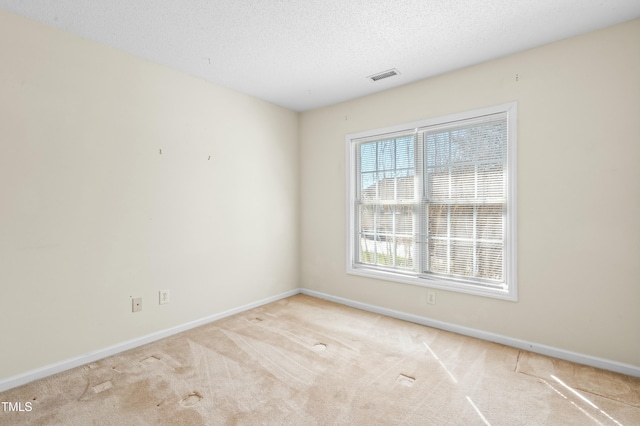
point(309, 212)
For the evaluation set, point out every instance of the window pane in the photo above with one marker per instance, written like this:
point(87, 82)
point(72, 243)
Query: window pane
point(438, 256)
point(404, 236)
point(454, 249)
point(489, 222)
point(368, 157)
point(367, 250)
point(384, 250)
point(463, 182)
point(463, 146)
point(438, 220)
point(387, 186)
point(404, 253)
point(386, 154)
point(386, 235)
point(406, 188)
point(461, 262)
point(404, 221)
point(367, 218)
point(492, 141)
point(405, 153)
point(437, 149)
point(387, 170)
point(491, 181)
point(438, 184)
point(490, 261)
point(368, 189)
point(462, 217)
point(384, 224)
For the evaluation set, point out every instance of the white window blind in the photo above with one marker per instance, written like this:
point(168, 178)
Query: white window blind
point(431, 204)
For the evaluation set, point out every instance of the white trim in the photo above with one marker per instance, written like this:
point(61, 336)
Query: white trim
point(511, 225)
point(433, 121)
point(592, 361)
point(48, 370)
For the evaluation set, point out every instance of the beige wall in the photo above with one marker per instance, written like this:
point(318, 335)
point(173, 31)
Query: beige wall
point(91, 214)
point(578, 193)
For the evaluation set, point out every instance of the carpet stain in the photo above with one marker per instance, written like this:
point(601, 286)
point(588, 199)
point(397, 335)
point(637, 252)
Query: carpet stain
point(190, 400)
point(517, 367)
point(102, 386)
point(183, 370)
point(150, 360)
point(406, 380)
point(139, 395)
point(318, 347)
point(256, 319)
point(83, 396)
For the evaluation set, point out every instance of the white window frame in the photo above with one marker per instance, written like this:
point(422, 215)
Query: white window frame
point(508, 291)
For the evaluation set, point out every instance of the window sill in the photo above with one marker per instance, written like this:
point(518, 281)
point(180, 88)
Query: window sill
point(438, 283)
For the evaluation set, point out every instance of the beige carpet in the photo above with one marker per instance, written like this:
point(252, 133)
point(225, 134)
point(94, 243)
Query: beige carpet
point(304, 361)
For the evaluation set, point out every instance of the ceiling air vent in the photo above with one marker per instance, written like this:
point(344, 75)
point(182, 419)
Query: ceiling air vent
point(384, 74)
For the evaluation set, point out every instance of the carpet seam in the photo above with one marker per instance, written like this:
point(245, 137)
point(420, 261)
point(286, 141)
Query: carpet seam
point(583, 390)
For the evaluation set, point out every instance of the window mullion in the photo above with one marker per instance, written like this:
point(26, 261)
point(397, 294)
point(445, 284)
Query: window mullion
point(475, 241)
point(475, 219)
point(375, 235)
point(394, 246)
point(420, 217)
point(448, 238)
point(450, 170)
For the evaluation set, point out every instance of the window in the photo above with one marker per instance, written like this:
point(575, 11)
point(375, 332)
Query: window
point(433, 203)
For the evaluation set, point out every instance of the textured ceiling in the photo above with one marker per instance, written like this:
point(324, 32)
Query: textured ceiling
point(304, 54)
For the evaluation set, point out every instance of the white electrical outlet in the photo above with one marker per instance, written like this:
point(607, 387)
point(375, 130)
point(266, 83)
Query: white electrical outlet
point(431, 297)
point(136, 304)
point(164, 296)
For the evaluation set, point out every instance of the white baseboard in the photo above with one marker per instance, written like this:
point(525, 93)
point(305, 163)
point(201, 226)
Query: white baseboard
point(48, 370)
point(605, 364)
